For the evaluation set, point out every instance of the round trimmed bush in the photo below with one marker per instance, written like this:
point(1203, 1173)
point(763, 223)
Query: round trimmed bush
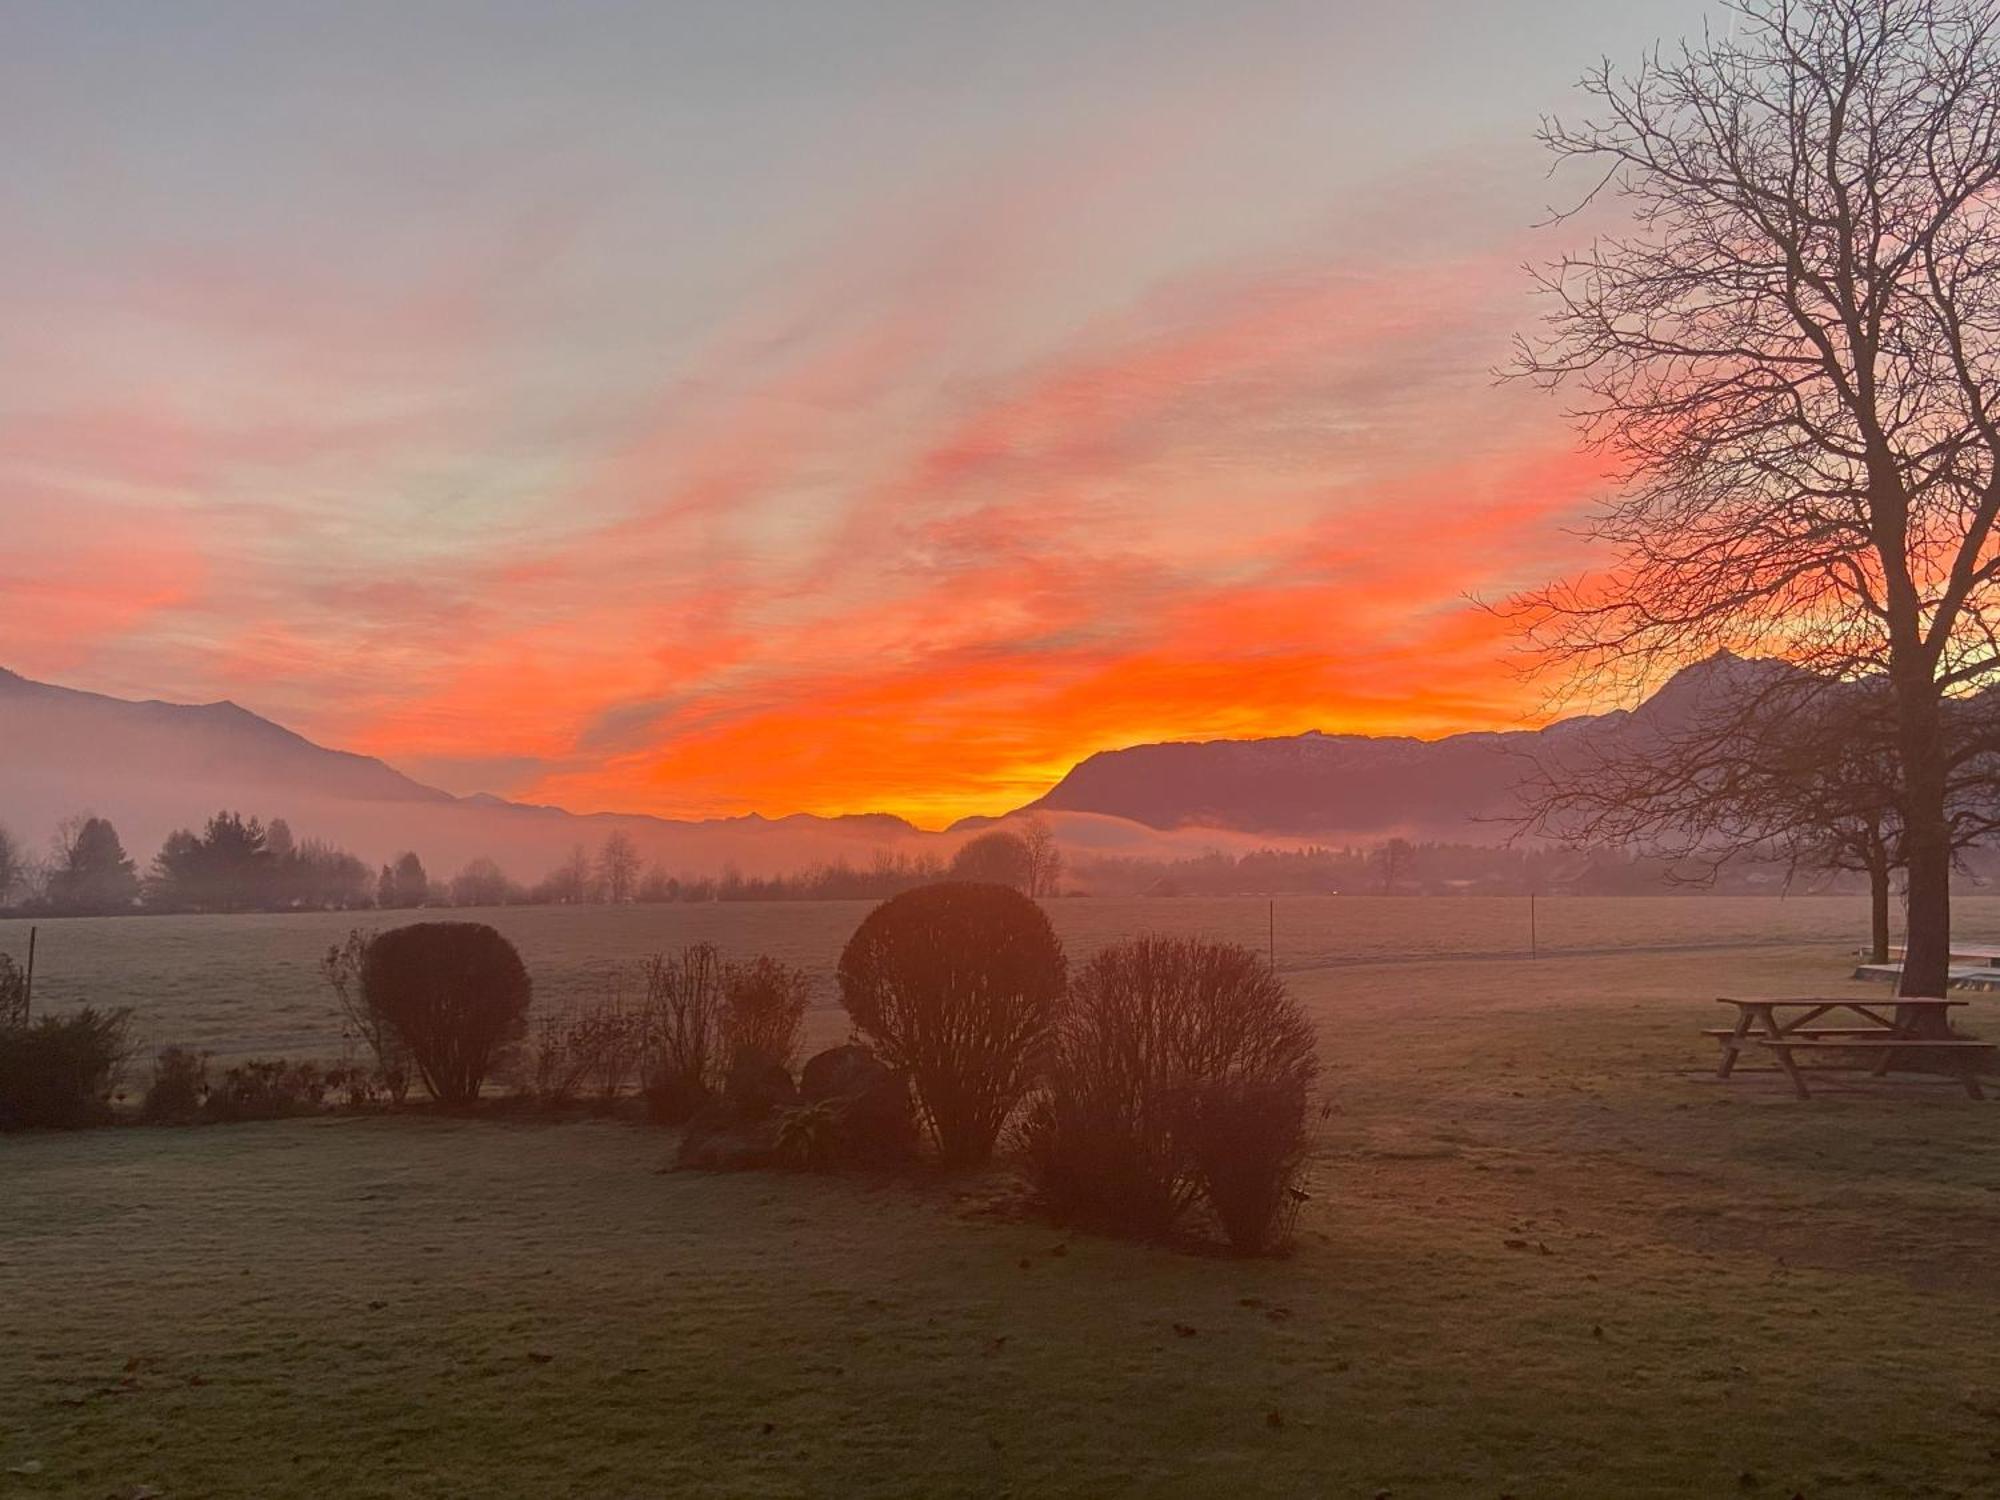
point(455, 993)
point(956, 985)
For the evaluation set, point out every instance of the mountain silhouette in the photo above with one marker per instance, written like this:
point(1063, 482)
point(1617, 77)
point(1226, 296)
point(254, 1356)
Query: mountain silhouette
point(1355, 786)
point(153, 766)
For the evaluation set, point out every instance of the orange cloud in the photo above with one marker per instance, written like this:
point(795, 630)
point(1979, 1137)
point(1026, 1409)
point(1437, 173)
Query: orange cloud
point(855, 551)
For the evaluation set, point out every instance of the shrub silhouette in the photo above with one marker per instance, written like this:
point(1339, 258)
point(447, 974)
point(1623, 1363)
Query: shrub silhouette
point(61, 1070)
point(267, 1089)
point(456, 995)
point(764, 1011)
point(683, 1012)
point(957, 985)
point(342, 966)
point(1180, 1069)
point(1249, 1139)
point(179, 1087)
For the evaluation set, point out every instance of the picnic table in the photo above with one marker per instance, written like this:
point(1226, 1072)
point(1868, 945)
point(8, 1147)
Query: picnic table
point(1908, 1027)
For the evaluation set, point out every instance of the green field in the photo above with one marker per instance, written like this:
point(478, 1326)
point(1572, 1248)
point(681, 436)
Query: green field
point(1546, 1255)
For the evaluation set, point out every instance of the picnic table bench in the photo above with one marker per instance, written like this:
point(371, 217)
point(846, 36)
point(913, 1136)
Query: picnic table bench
point(1907, 1028)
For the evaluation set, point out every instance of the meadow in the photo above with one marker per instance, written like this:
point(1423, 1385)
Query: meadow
point(250, 985)
point(1547, 1253)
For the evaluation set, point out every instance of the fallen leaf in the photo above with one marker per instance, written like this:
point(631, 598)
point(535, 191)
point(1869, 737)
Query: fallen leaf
point(27, 1466)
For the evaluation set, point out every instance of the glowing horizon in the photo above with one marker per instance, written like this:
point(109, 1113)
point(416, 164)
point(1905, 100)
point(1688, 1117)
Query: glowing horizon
point(657, 409)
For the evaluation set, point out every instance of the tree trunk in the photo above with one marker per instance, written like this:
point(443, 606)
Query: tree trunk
point(1878, 908)
point(1926, 839)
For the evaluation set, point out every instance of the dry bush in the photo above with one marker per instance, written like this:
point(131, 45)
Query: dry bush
point(764, 1011)
point(957, 985)
point(267, 1089)
point(13, 990)
point(555, 1070)
point(179, 1087)
point(609, 1038)
point(341, 966)
point(593, 1046)
point(455, 994)
point(1179, 1070)
point(682, 1018)
point(1249, 1140)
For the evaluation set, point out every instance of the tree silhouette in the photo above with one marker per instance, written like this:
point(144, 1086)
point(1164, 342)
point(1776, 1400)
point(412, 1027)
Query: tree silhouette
point(1791, 360)
point(618, 867)
point(996, 857)
point(89, 871)
point(403, 885)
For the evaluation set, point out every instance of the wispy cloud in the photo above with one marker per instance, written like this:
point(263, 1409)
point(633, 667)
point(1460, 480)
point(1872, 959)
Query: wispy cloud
point(915, 526)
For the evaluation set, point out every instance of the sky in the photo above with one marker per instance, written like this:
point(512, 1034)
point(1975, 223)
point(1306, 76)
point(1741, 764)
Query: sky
point(702, 409)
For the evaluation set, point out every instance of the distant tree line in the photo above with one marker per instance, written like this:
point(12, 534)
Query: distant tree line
point(240, 864)
point(1402, 867)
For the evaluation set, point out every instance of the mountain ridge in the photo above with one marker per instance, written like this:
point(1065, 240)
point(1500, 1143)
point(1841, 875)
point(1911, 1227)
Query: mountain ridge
point(154, 766)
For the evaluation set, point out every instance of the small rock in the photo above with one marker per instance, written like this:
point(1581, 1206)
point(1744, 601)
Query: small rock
point(536, 1356)
point(1185, 1330)
point(1515, 1244)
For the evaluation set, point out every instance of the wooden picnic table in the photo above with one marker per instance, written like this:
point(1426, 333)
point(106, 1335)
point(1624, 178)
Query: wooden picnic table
point(1907, 1026)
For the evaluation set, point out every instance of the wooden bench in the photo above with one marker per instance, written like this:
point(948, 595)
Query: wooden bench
point(1971, 1052)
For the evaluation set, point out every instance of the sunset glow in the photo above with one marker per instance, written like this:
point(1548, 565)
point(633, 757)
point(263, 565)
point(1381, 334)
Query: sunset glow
point(581, 424)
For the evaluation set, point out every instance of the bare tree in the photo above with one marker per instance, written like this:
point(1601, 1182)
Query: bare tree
point(1792, 359)
point(1045, 859)
point(1395, 858)
point(618, 867)
point(1756, 761)
point(12, 865)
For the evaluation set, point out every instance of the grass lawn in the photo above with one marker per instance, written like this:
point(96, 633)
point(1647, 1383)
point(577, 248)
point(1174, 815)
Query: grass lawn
point(1545, 1256)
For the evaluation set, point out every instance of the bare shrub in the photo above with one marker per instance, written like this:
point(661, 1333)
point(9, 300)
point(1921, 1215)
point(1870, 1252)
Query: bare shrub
point(608, 1038)
point(1179, 1070)
point(342, 966)
point(956, 984)
point(592, 1046)
point(457, 996)
point(179, 1087)
point(764, 1011)
point(13, 991)
point(267, 1089)
point(1249, 1140)
point(555, 1070)
point(682, 1011)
